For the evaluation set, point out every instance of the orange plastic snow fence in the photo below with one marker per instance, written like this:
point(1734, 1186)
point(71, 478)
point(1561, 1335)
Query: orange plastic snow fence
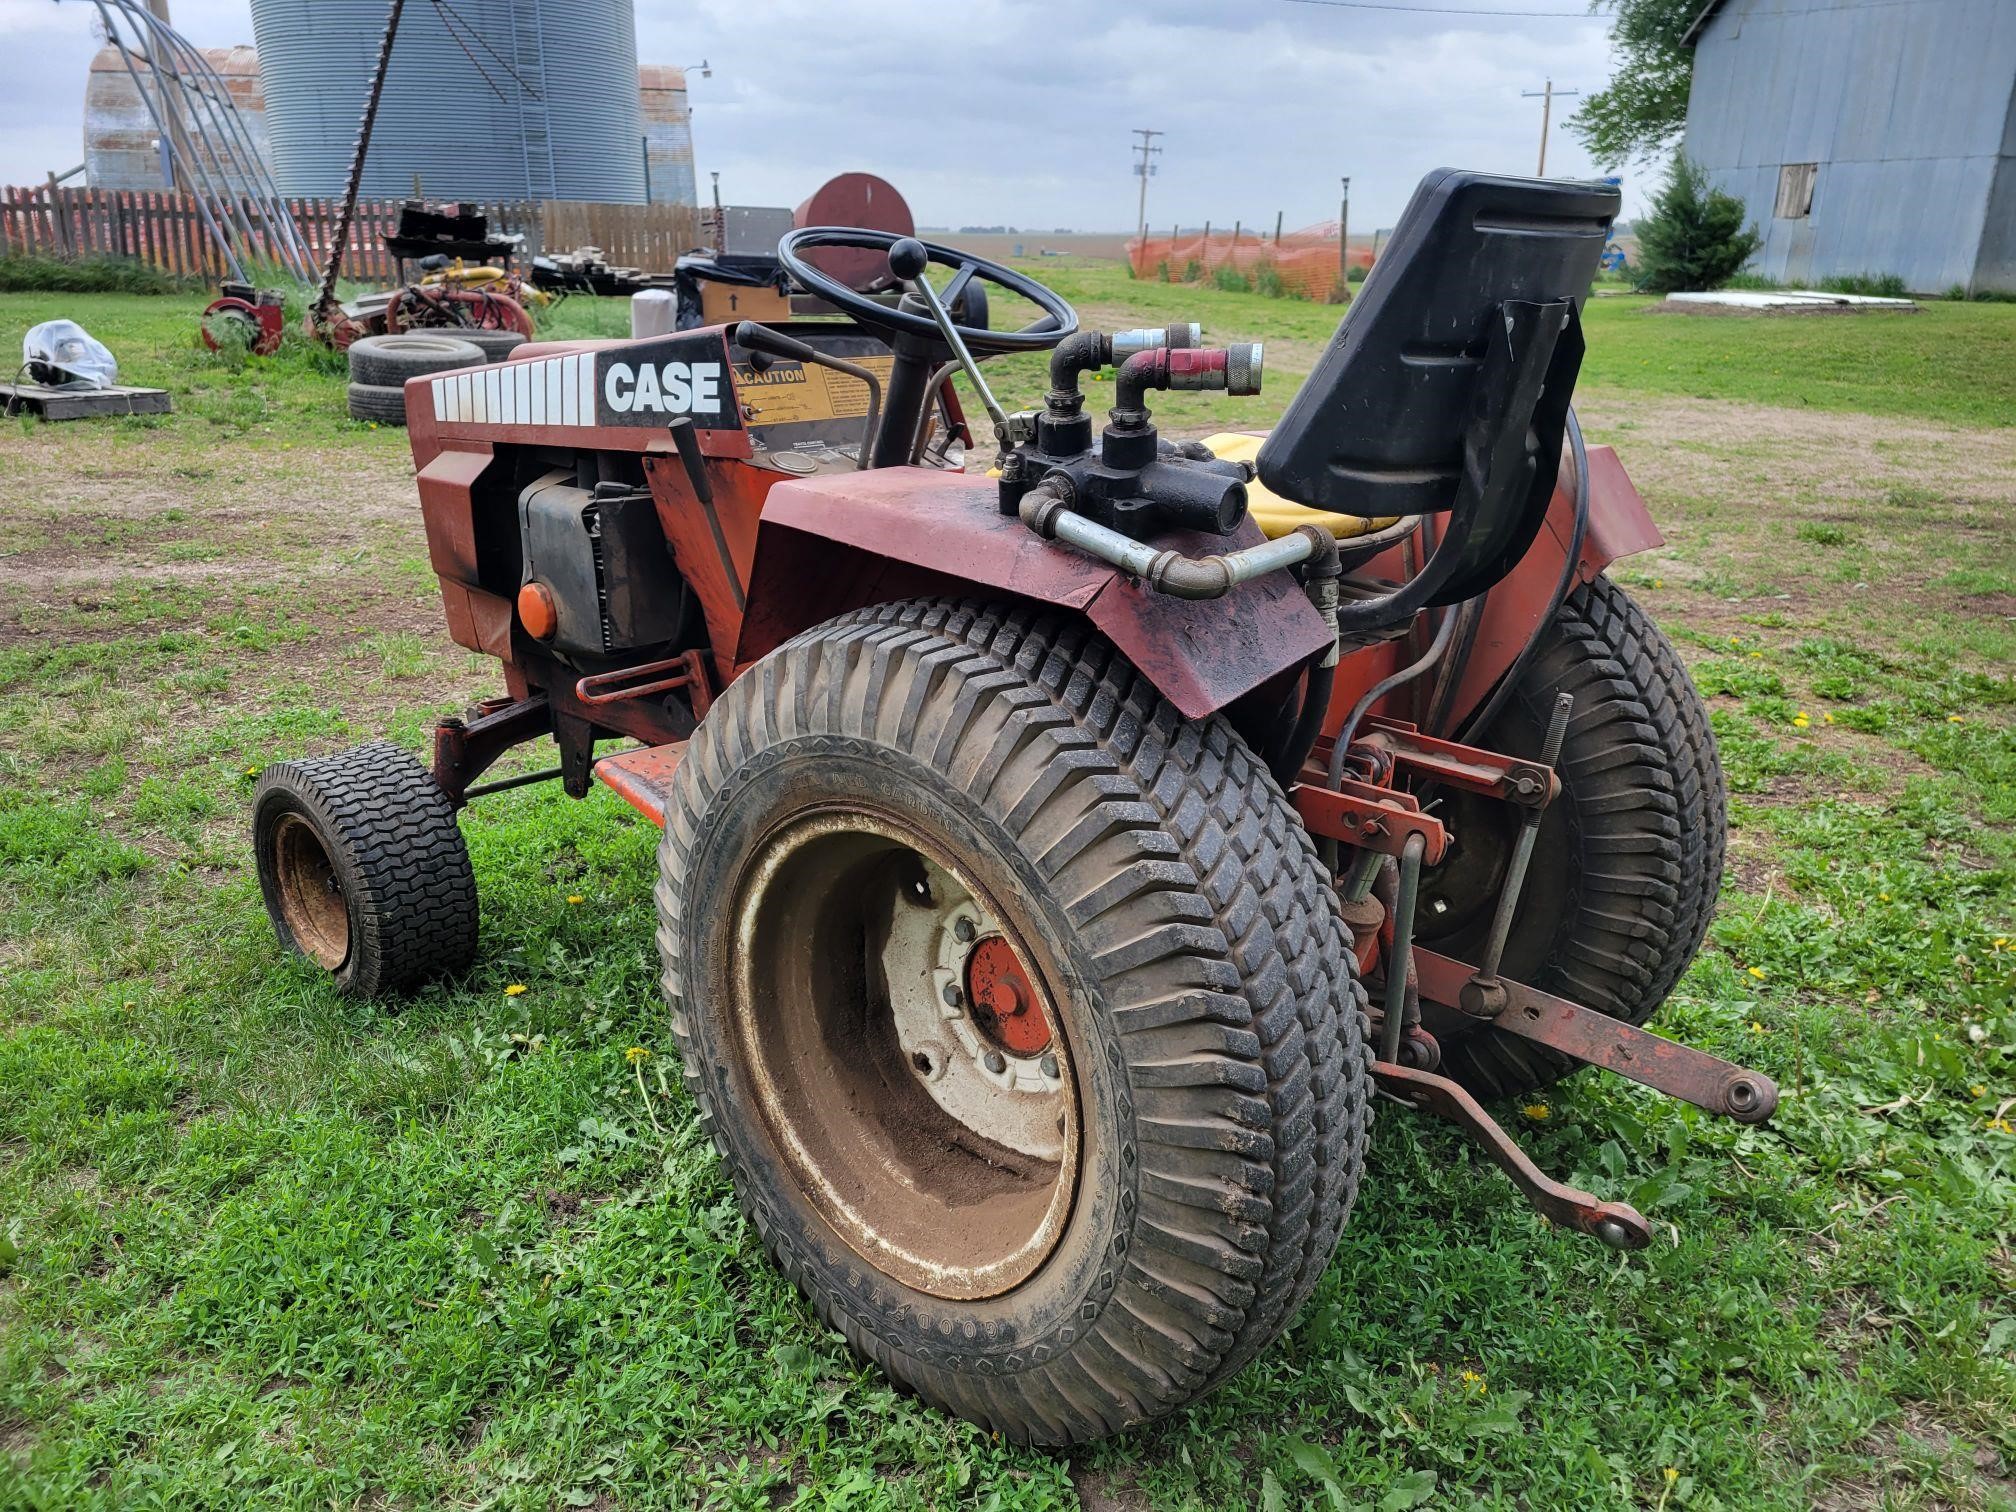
point(1300, 263)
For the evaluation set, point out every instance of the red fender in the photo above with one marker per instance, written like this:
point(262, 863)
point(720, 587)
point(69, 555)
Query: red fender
point(829, 544)
point(1619, 526)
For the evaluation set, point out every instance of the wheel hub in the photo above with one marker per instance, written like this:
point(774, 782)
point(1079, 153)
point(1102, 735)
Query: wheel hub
point(974, 1027)
point(311, 894)
point(902, 1052)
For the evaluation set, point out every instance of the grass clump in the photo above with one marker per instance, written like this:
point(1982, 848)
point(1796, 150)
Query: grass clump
point(1882, 285)
point(32, 273)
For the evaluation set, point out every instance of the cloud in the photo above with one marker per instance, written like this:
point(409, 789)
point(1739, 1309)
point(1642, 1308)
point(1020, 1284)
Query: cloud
point(1020, 111)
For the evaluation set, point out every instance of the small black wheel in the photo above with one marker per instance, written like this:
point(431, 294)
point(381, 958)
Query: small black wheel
point(388, 361)
point(1628, 860)
point(1020, 1010)
point(370, 401)
point(363, 868)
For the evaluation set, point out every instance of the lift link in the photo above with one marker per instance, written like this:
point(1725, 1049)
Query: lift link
point(1483, 995)
point(1616, 1224)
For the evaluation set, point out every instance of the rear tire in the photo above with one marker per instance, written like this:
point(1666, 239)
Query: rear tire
point(1182, 940)
point(1628, 861)
point(363, 868)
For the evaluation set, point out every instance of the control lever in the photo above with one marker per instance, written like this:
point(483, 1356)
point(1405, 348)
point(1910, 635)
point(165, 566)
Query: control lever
point(752, 337)
point(907, 261)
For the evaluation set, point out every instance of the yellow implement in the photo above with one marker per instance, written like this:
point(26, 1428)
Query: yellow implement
point(1276, 516)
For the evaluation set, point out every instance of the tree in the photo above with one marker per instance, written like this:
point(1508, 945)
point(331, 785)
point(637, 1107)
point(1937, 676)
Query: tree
point(1643, 109)
point(1695, 237)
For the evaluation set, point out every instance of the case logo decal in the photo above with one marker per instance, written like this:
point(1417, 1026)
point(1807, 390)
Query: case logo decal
point(670, 388)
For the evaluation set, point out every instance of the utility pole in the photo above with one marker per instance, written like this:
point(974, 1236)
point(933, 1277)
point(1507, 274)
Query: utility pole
point(1144, 169)
point(1546, 97)
point(1344, 239)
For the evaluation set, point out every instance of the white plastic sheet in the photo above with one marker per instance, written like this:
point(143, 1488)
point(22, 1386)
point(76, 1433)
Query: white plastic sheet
point(78, 358)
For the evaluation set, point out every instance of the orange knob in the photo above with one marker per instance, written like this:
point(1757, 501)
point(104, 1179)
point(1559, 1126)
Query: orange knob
point(537, 612)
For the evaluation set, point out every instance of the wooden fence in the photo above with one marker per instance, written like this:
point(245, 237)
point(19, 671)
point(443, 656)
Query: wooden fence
point(168, 230)
point(650, 237)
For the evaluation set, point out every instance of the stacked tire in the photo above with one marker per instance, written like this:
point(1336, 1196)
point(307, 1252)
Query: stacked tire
point(380, 366)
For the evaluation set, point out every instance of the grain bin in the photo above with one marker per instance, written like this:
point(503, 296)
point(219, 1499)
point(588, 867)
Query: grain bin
point(485, 99)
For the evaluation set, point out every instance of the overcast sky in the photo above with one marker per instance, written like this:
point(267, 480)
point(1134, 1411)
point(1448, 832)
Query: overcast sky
point(1018, 111)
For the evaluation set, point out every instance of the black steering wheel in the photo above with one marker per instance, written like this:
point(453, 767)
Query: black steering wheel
point(1059, 319)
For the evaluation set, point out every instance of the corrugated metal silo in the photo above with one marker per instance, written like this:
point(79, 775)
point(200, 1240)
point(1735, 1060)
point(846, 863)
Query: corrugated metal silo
point(485, 99)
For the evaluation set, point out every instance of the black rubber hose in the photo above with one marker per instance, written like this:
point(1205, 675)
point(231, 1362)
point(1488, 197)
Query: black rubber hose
point(1444, 633)
point(1289, 757)
point(1470, 616)
point(1490, 707)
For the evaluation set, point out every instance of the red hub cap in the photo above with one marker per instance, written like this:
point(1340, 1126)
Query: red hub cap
point(1005, 1005)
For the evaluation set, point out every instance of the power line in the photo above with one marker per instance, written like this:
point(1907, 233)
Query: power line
point(1439, 10)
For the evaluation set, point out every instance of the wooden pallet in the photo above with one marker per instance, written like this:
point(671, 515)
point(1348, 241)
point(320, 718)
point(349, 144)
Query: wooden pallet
point(81, 404)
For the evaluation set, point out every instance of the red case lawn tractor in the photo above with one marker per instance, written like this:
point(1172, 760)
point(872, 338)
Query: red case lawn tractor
point(1057, 859)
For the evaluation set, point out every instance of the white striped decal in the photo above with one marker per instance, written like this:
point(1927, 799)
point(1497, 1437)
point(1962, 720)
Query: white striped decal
point(546, 391)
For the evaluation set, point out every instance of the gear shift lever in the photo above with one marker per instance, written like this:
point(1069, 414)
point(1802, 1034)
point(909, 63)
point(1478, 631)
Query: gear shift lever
point(907, 262)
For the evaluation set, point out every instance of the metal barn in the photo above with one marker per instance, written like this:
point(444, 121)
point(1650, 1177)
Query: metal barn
point(1865, 136)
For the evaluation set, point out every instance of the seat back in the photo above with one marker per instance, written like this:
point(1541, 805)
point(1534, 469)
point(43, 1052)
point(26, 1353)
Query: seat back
point(1385, 422)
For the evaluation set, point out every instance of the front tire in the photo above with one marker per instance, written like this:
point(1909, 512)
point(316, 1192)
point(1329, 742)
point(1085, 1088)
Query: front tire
point(363, 868)
point(1178, 1112)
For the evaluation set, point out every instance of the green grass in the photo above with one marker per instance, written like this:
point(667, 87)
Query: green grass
point(260, 1246)
point(1953, 362)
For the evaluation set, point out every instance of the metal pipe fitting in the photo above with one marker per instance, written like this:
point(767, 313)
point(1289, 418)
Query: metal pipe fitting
point(1185, 333)
point(1045, 510)
point(1237, 369)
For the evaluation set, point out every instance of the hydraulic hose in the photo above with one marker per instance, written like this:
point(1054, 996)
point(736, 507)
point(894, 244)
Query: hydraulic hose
point(1579, 453)
point(1319, 581)
point(1444, 633)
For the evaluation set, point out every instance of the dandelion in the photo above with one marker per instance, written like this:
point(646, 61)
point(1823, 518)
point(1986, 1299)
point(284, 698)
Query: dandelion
point(1658, 582)
point(1755, 1027)
point(1535, 1110)
point(1882, 897)
point(2001, 1126)
point(1977, 1091)
point(1954, 719)
point(1755, 971)
point(252, 771)
point(1756, 656)
point(1800, 721)
point(1735, 640)
point(2000, 942)
point(1473, 1380)
point(637, 1055)
point(1671, 1474)
point(516, 989)
point(1826, 719)
point(576, 898)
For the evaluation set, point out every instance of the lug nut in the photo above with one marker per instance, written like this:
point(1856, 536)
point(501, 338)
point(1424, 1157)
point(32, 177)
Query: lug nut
point(1048, 1066)
point(996, 1062)
point(962, 931)
point(953, 996)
